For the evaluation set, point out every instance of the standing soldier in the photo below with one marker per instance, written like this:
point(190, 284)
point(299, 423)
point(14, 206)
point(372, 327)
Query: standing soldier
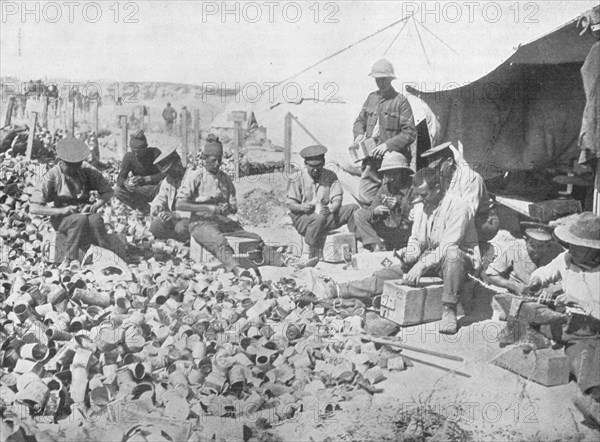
point(169, 115)
point(386, 117)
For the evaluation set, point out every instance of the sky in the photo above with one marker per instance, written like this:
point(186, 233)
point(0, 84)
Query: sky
point(195, 42)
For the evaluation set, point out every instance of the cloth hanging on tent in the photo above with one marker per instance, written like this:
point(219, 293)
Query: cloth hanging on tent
point(589, 137)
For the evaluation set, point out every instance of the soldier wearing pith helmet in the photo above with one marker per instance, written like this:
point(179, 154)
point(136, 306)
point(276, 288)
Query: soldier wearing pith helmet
point(314, 197)
point(385, 224)
point(387, 118)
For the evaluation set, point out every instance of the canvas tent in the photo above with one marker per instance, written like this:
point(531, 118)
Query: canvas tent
point(512, 106)
point(526, 112)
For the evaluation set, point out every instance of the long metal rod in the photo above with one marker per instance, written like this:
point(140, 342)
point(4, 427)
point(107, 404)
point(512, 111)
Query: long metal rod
point(440, 367)
point(417, 349)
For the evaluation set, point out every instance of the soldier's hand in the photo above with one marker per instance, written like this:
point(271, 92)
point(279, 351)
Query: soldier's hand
point(224, 208)
point(166, 217)
point(567, 300)
point(359, 138)
point(381, 210)
point(413, 276)
point(535, 285)
point(68, 210)
point(308, 207)
point(390, 201)
point(129, 185)
point(379, 151)
point(203, 199)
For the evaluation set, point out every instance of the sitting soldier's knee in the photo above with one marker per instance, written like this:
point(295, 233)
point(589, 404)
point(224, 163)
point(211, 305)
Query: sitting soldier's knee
point(181, 230)
point(95, 220)
point(80, 219)
point(120, 192)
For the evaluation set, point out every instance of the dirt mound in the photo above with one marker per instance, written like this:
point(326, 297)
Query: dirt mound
point(262, 208)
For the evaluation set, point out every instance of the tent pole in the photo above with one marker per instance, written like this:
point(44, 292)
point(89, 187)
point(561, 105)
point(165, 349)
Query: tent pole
point(305, 129)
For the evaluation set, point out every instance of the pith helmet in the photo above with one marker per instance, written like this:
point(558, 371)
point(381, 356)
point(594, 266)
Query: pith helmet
point(382, 69)
point(394, 160)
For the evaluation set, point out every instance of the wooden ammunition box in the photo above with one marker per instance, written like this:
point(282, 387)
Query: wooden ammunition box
point(373, 261)
point(200, 254)
point(362, 150)
point(407, 305)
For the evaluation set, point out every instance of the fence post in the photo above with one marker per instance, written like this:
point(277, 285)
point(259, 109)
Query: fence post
point(96, 148)
point(184, 137)
point(238, 118)
point(32, 123)
point(123, 120)
point(196, 145)
point(287, 143)
point(9, 110)
point(45, 112)
point(71, 119)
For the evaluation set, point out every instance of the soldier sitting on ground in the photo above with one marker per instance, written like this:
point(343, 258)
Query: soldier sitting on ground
point(209, 194)
point(385, 224)
point(168, 222)
point(138, 190)
point(513, 267)
point(67, 187)
point(314, 197)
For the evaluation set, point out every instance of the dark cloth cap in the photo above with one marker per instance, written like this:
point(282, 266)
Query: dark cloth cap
point(72, 150)
point(138, 140)
point(213, 146)
point(166, 159)
point(314, 153)
point(437, 150)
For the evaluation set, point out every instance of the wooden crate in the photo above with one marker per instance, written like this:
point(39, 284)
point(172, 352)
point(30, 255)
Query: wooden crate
point(200, 254)
point(411, 305)
point(373, 261)
point(241, 247)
